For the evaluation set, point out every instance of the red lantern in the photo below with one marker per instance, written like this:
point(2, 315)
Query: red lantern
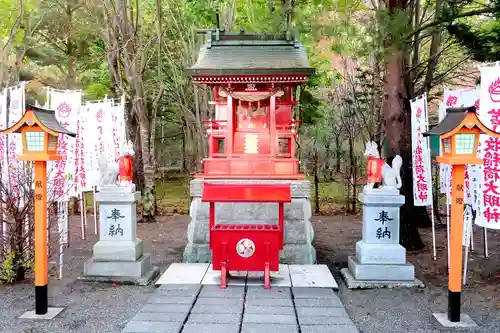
point(374, 170)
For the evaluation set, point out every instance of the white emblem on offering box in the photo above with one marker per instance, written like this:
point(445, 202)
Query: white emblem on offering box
point(245, 248)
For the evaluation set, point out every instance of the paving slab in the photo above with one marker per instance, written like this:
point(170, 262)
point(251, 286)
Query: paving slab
point(211, 328)
point(210, 291)
point(269, 319)
point(194, 287)
point(200, 308)
point(272, 310)
point(328, 329)
point(311, 293)
point(269, 328)
point(183, 273)
point(160, 316)
point(214, 318)
point(166, 308)
point(324, 320)
point(319, 302)
point(269, 301)
point(235, 278)
point(164, 299)
point(318, 276)
point(177, 293)
point(280, 278)
point(308, 311)
point(152, 327)
point(196, 308)
point(219, 301)
point(277, 292)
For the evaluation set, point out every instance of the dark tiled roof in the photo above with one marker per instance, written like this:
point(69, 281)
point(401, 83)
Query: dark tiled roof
point(454, 116)
point(48, 119)
point(250, 54)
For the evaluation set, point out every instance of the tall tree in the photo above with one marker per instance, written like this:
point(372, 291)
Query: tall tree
point(128, 40)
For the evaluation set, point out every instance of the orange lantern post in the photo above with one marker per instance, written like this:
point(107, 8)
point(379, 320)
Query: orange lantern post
point(40, 130)
point(459, 133)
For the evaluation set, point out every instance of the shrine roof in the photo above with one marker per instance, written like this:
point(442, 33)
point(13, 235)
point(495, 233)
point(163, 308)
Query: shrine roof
point(454, 117)
point(249, 54)
point(49, 120)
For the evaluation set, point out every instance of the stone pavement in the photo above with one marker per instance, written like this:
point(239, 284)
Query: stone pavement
point(197, 308)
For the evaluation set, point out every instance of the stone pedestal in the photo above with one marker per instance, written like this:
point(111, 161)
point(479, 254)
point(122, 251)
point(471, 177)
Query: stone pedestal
point(380, 260)
point(299, 233)
point(118, 255)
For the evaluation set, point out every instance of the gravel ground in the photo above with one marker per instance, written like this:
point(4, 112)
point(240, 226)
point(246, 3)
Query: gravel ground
point(100, 307)
point(410, 310)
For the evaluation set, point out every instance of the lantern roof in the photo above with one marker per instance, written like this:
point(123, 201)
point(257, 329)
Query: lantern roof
point(44, 118)
point(249, 54)
point(455, 119)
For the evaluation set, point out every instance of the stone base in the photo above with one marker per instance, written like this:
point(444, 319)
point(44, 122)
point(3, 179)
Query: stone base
point(352, 283)
point(291, 253)
point(299, 233)
point(465, 320)
point(137, 272)
point(117, 250)
point(51, 314)
point(389, 254)
point(380, 272)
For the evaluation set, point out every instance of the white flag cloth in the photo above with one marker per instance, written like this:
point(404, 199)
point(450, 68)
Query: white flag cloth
point(3, 137)
point(422, 179)
point(66, 105)
point(489, 114)
point(14, 140)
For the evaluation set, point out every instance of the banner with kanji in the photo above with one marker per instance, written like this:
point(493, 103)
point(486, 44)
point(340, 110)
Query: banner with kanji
point(422, 177)
point(3, 137)
point(489, 114)
point(14, 141)
point(66, 105)
point(451, 99)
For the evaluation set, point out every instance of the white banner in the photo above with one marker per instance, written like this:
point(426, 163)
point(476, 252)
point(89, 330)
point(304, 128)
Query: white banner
point(66, 105)
point(15, 146)
point(456, 98)
point(489, 114)
point(422, 177)
point(99, 120)
point(3, 137)
point(467, 226)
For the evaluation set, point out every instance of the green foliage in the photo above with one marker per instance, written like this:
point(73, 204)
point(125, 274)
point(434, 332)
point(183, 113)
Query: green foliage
point(9, 267)
point(479, 34)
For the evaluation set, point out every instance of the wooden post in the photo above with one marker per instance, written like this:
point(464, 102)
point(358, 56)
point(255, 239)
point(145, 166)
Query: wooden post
point(273, 139)
point(456, 231)
point(41, 295)
point(228, 142)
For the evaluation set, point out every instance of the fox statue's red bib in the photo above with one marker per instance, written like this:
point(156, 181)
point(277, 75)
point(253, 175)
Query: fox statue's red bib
point(126, 169)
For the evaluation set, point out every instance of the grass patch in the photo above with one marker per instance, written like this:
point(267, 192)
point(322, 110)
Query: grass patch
point(172, 195)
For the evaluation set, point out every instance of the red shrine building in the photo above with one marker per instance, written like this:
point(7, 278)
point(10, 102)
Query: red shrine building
point(251, 154)
point(253, 78)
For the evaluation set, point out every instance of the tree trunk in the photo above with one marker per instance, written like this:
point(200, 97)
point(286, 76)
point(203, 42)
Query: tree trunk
point(398, 129)
point(149, 190)
point(338, 154)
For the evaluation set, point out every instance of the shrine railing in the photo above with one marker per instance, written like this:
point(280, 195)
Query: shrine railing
point(215, 126)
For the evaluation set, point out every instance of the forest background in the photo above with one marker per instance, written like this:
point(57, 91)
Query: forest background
point(371, 58)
